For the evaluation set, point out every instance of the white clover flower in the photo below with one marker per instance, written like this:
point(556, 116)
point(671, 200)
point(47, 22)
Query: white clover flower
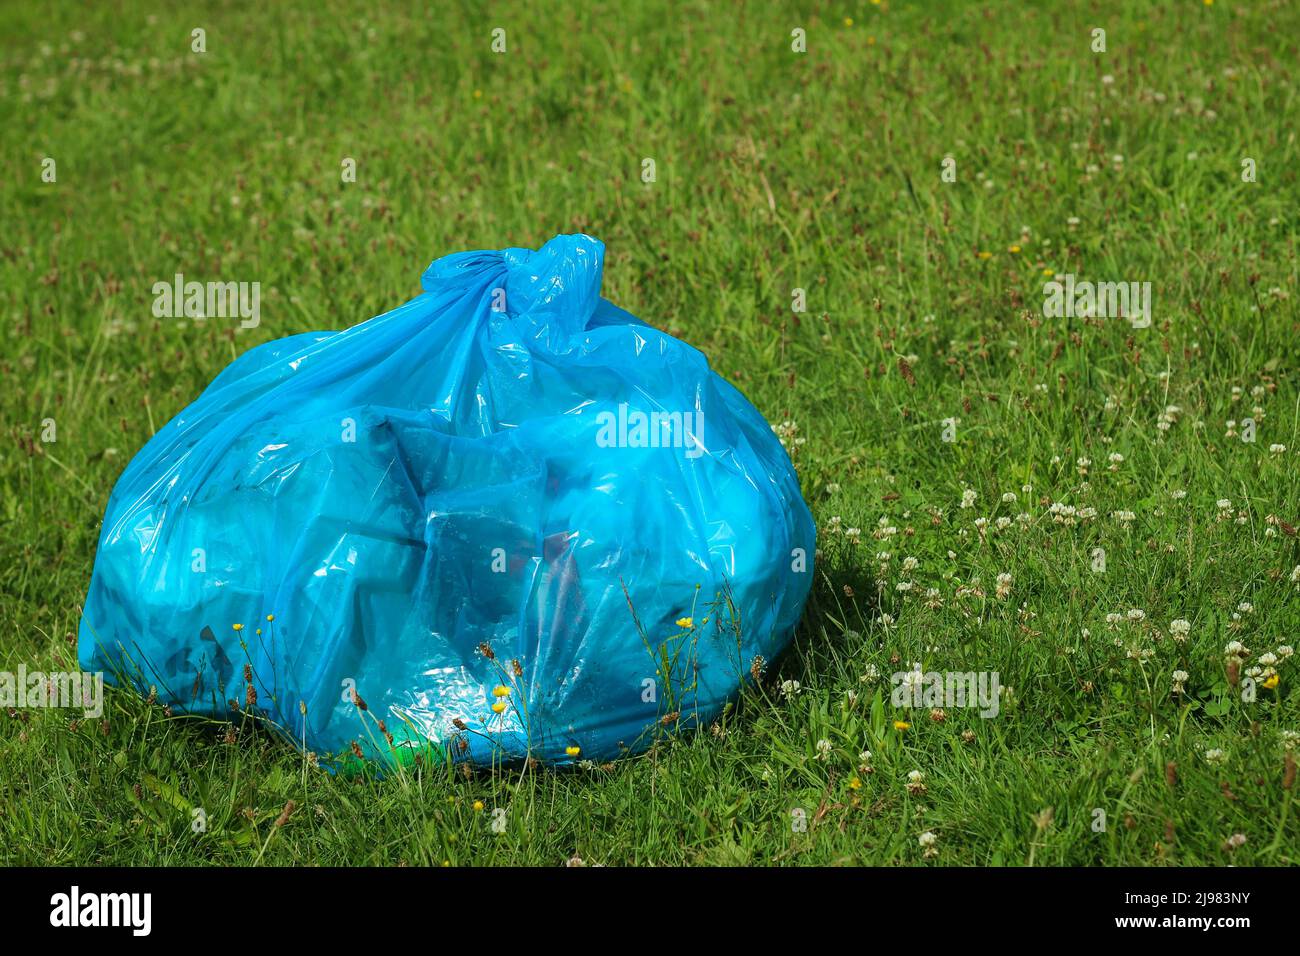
point(1008, 497)
point(903, 586)
point(1284, 651)
point(1223, 504)
point(1003, 523)
point(1290, 739)
point(1003, 585)
point(1178, 495)
point(915, 776)
point(910, 564)
point(1215, 756)
point(790, 687)
point(927, 838)
point(968, 498)
point(1179, 629)
point(1136, 614)
point(823, 749)
point(1245, 607)
point(1277, 449)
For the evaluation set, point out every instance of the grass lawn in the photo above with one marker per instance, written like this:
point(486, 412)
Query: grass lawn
point(995, 488)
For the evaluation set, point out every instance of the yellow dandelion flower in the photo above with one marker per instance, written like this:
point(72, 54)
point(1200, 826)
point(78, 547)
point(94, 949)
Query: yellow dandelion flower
point(258, 631)
point(984, 254)
point(848, 21)
point(1013, 249)
point(901, 725)
point(238, 627)
point(685, 621)
point(478, 94)
point(270, 617)
point(573, 751)
point(871, 41)
point(501, 690)
point(1049, 273)
point(1272, 681)
point(855, 783)
point(499, 707)
point(478, 806)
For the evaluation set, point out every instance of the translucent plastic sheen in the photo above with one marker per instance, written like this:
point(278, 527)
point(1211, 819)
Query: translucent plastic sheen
point(452, 510)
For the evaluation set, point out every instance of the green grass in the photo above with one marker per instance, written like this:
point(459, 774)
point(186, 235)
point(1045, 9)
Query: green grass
point(775, 171)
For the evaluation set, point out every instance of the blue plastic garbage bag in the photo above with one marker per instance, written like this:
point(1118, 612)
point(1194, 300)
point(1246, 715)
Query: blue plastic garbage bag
point(505, 520)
